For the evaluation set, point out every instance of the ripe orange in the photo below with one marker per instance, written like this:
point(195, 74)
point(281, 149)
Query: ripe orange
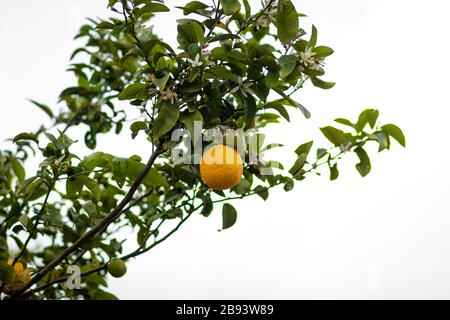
point(221, 167)
point(17, 266)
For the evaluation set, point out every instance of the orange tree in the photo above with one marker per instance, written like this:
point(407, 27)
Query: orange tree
point(236, 67)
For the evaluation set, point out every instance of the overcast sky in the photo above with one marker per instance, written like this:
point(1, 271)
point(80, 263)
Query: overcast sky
point(384, 236)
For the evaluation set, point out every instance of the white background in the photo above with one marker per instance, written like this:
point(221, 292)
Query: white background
point(385, 236)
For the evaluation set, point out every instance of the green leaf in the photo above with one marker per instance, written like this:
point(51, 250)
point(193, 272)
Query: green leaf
point(290, 102)
point(364, 166)
point(105, 25)
point(368, 116)
point(220, 72)
point(272, 146)
point(157, 7)
point(18, 169)
point(230, 7)
point(166, 120)
point(248, 9)
point(313, 38)
point(242, 187)
point(304, 148)
point(335, 136)
point(91, 184)
point(97, 159)
point(190, 32)
point(395, 132)
point(189, 120)
point(136, 127)
point(334, 172)
point(280, 108)
point(207, 206)
point(321, 153)
point(7, 273)
point(150, 8)
point(43, 107)
point(73, 187)
point(193, 6)
point(382, 138)
point(296, 169)
point(161, 83)
point(287, 21)
point(103, 295)
point(321, 83)
point(25, 136)
point(132, 91)
point(289, 185)
point(287, 65)
point(249, 108)
point(229, 216)
point(344, 122)
point(112, 2)
point(322, 52)
point(62, 142)
point(119, 170)
point(272, 79)
point(263, 192)
point(153, 178)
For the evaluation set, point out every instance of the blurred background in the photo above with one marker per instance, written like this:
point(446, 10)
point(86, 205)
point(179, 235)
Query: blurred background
point(383, 236)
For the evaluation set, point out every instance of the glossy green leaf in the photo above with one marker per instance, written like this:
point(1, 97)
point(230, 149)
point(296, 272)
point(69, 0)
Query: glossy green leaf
point(287, 65)
point(43, 107)
point(321, 83)
point(132, 91)
point(304, 148)
point(287, 21)
point(296, 169)
point(263, 192)
point(229, 216)
point(91, 184)
point(368, 116)
point(166, 120)
point(313, 38)
point(189, 120)
point(230, 7)
point(194, 6)
point(250, 109)
point(395, 132)
point(18, 169)
point(25, 136)
point(345, 122)
point(322, 52)
point(334, 172)
point(364, 166)
point(136, 127)
point(335, 136)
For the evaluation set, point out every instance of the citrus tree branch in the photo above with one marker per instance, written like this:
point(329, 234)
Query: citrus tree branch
point(141, 250)
point(111, 217)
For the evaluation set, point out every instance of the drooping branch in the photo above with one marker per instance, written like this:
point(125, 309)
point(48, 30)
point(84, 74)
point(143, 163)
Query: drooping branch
point(141, 250)
point(111, 217)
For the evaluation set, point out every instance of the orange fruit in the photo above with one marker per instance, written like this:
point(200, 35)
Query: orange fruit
point(221, 167)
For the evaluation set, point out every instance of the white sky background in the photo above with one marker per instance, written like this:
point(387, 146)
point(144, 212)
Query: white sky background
point(385, 236)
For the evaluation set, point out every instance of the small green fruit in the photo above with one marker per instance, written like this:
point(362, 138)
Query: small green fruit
point(117, 268)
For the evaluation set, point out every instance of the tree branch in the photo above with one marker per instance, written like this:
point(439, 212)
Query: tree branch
point(103, 266)
point(111, 217)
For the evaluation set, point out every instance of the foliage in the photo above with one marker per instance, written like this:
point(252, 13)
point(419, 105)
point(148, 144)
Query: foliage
point(236, 67)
